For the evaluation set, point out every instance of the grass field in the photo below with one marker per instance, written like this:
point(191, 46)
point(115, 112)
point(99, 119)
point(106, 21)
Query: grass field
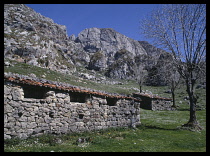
point(159, 130)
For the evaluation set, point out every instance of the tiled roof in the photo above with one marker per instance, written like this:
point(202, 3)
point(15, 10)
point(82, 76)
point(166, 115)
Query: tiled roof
point(152, 96)
point(22, 79)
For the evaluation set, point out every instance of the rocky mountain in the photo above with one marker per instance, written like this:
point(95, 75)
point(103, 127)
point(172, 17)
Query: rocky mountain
point(108, 40)
point(34, 39)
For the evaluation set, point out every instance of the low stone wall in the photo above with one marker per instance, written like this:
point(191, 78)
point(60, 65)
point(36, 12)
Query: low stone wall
point(161, 104)
point(56, 113)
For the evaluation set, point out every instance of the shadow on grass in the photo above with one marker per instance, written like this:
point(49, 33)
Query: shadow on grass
point(143, 126)
point(183, 109)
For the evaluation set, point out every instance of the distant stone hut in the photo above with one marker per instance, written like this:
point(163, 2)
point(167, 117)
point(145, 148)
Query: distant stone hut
point(153, 102)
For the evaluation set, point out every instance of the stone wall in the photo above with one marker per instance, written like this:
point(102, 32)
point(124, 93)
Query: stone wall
point(59, 112)
point(161, 104)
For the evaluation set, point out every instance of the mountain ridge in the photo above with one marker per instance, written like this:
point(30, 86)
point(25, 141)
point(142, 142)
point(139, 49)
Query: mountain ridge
point(36, 40)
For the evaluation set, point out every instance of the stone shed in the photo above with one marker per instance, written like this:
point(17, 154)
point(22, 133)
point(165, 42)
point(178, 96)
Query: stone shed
point(153, 102)
point(36, 106)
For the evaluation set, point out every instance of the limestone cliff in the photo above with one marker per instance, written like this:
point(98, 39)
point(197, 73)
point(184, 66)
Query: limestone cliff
point(108, 40)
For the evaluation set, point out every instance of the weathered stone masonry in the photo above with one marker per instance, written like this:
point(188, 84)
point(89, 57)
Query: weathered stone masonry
point(31, 110)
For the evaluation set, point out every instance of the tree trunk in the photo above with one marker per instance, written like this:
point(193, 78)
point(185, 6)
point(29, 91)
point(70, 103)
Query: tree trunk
point(173, 98)
point(140, 88)
point(192, 123)
point(193, 118)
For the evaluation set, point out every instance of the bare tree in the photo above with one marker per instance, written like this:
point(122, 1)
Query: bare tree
point(140, 75)
point(172, 77)
point(181, 29)
point(173, 83)
point(140, 71)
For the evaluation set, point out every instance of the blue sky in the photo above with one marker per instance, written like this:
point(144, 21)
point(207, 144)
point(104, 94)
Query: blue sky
point(124, 18)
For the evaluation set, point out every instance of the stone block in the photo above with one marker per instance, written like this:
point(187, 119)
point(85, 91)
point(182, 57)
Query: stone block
point(23, 119)
point(8, 109)
point(47, 119)
point(64, 129)
point(62, 95)
point(30, 131)
point(7, 90)
point(8, 125)
point(79, 124)
point(7, 136)
point(50, 94)
point(22, 135)
point(24, 125)
point(17, 93)
point(31, 118)
point(73, 128)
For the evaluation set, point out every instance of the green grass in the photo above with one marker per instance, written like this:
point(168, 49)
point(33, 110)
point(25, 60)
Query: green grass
point(159, 130)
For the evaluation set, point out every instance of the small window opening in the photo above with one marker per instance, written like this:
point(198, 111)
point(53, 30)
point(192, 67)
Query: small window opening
point(35, 92)
point(81, 116)
point(20, 114)
point(51, 114)
point(78, 97)
point(111, 101)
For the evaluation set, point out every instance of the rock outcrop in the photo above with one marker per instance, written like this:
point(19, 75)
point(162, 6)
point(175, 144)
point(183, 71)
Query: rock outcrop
point(123, 66)
point(35, 38)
